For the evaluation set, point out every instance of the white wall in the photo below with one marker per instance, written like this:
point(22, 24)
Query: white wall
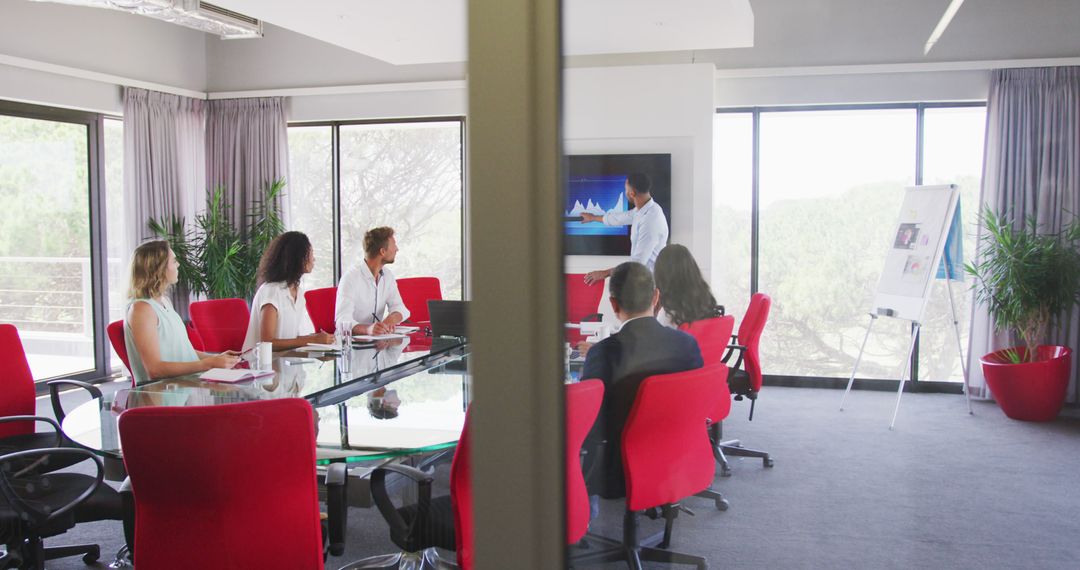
point(853, 88)
point(405, 102)
point(95, 41)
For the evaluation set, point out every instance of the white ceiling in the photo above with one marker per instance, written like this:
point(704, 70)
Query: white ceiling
point(404, 32)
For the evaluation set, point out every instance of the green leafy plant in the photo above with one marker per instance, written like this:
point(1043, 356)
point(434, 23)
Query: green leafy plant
point(1025, 277)
point(218, 259)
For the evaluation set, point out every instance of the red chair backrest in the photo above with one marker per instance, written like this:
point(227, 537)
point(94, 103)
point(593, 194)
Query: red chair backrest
point(16, 383)
point(461, 497)
point(713, 336)
point(195, 338)
point(116, 338)
point(582, 405)
point(581, 300)
point(416, 292)
point(222, 323)
point(750, 336)
point(321, 305)
point(666, 451)
point(220, 477)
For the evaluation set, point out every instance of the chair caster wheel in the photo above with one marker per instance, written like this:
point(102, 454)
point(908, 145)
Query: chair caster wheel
point(725, 472)
point(722, 504)
point(91, 557)
point(767, 461)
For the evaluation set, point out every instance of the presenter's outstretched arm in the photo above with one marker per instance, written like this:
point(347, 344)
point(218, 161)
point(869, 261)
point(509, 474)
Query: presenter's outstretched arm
point(598, 275)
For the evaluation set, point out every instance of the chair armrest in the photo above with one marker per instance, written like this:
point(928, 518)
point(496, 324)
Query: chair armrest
point(54, 394)
point(22, 501)
point(731, 348)
point(386, 506)
point(336, 508)
point(55, 425)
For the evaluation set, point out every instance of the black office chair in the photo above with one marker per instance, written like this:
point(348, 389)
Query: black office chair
point(36, 505)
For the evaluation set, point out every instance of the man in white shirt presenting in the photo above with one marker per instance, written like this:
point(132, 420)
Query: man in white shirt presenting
point(648, 227)
point(367, 296)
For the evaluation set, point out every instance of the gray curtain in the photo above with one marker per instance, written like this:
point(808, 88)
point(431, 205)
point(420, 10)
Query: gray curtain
point(164, 159)
point(1031, 167)
point(246, 148)
point(164, 165)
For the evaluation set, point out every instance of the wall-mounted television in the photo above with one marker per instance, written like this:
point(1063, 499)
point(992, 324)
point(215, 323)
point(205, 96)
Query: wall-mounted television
point(595, 183)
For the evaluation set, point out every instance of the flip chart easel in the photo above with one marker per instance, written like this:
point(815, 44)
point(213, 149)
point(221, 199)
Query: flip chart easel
point(929, 219)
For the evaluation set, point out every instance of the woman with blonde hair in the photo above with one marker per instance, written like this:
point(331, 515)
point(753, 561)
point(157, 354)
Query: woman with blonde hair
point(155, 335)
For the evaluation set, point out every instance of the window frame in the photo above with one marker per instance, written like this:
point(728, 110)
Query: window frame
point(99, 278)
point(335, 182)
point(883, 384)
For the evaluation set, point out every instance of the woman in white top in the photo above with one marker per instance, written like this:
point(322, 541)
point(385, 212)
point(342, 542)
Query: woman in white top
point(278, 311)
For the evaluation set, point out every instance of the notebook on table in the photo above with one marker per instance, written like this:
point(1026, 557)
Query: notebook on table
point(231, 375)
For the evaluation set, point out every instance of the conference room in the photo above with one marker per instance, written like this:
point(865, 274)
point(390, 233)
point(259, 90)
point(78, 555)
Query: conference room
point(729, 280)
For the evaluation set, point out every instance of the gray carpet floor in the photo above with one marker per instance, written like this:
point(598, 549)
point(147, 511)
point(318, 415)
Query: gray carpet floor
point(943, 490)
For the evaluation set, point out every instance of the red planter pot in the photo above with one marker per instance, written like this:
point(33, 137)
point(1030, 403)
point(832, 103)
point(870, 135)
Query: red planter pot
point(1029, 391)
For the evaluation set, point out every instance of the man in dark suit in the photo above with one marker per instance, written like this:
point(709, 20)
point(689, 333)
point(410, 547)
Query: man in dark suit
point(642, 348)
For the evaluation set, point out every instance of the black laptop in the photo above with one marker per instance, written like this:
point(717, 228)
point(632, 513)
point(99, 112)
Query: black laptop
point(447, 317)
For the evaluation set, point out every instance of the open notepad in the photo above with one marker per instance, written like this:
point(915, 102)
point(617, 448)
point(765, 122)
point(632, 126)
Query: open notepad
point(233, 374)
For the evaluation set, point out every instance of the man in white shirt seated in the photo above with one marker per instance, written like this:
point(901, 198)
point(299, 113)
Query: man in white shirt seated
point(648, 226)
point(367, 296)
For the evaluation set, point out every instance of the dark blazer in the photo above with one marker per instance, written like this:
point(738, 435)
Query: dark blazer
point(622, 361)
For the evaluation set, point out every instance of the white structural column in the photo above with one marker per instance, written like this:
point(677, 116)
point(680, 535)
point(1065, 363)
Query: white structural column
point(515, 323)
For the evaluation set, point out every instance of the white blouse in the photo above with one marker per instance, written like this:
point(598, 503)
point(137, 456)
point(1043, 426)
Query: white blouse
point(292, 316)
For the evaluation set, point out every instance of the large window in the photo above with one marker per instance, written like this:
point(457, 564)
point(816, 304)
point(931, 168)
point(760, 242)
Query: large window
point(827, 184)
point(119, 254)
point(50, 277)
point(403, 174)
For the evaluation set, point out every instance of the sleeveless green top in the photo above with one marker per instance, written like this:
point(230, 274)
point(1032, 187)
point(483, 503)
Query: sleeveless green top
point(173, 342)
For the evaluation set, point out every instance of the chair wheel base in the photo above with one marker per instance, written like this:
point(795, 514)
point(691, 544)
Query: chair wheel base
point(428, 559)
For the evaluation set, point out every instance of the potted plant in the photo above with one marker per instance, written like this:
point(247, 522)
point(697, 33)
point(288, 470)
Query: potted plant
point(1027, 279)
point(218, 259)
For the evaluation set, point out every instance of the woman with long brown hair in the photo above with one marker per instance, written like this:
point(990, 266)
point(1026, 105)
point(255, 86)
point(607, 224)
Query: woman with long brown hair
point(685, 296)
point(279, 311)
point(155, 335)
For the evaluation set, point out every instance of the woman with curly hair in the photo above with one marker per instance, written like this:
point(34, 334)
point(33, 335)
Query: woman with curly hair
point(685, 296)
point(278, 311)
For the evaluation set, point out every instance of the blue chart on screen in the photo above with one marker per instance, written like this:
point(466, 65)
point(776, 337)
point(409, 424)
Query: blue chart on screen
point(595, 195)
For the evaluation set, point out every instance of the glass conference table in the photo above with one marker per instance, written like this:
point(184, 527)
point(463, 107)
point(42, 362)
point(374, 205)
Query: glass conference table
point(398, 398)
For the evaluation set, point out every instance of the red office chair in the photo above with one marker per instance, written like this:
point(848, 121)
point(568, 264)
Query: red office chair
point(222, 323)
point(415, 293)
point(18, 396)
point(116, 338)
point(18, 434)
point(746, 380)
point(321, 305)
point(447, 521)
point(582, 303)
point(228, 486)
point(582, 405)
point(666, 457)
